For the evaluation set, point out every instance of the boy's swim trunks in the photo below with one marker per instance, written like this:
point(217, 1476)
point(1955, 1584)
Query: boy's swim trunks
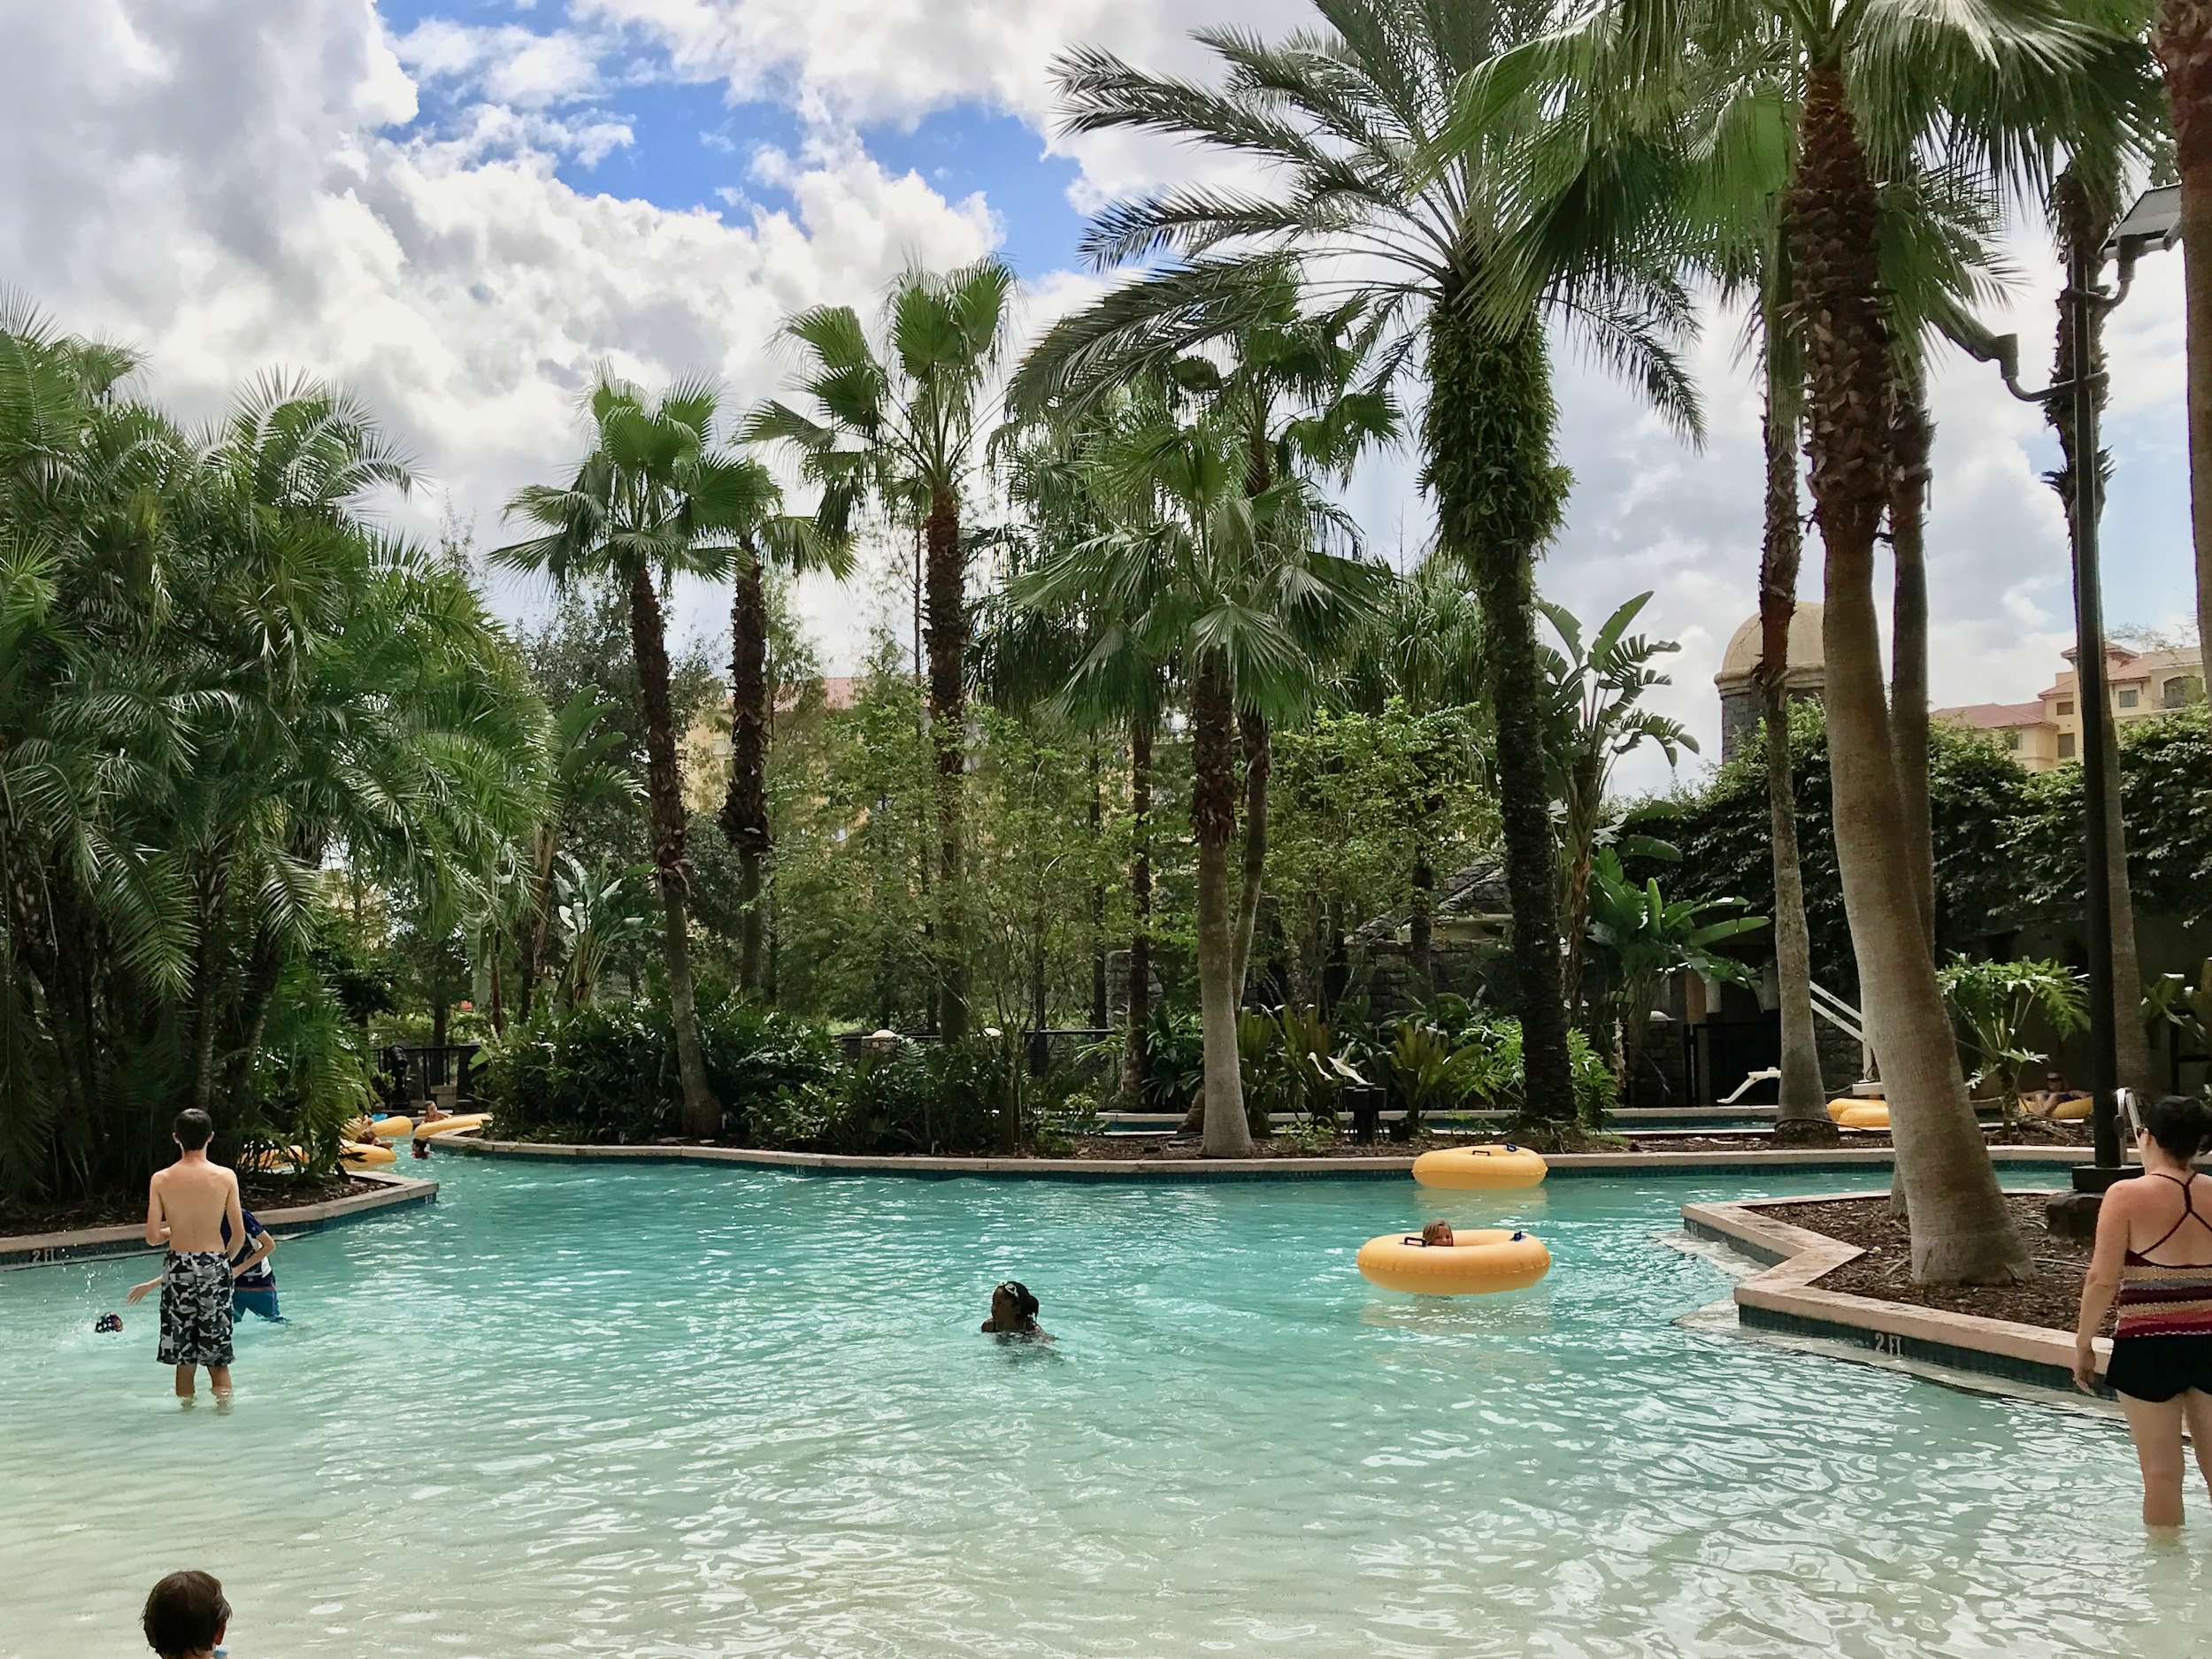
point(195, 1308)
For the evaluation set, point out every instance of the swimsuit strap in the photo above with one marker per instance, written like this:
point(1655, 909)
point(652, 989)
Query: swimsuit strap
point(2188, 1213)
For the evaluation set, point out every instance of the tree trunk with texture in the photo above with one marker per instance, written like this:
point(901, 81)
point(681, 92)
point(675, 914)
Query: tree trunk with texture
point(947, 597)
point(1098, 892)
point(2183, 38)
point(1803, 1118)
point(534, 962)
point(2084, 216)
point(1138, 1012)
point(745, 808)
point(1910, 440)
point(1486, 435)
point(207, 985)
point(1961, 1231)
point(664, 793)
point(1259, 760)
point(1213, 824)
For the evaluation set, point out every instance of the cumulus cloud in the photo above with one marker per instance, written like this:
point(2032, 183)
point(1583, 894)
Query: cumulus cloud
point(234, 186)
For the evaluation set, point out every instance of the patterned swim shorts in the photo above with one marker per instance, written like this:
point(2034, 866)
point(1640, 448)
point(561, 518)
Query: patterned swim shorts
point(195, 1308)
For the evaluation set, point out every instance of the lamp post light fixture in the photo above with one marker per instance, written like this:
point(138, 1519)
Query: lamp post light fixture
point(2152, 225)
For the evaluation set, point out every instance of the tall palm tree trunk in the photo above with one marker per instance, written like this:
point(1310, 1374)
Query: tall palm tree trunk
point(207, 983)
point(1910, 439)
point(1259, 759)
point(2085, 218)
point(1487, 437)
point(1134, 1059)
point(533, 962)
point(947, 597)
point(1803, 1117)
point(2183, 38)
point(745, 810)
point(1960, 1230)
point(663, 789)
point(1213, 824)
point(1098, 891)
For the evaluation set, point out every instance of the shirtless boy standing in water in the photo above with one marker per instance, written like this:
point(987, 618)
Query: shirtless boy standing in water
point(187, 1206)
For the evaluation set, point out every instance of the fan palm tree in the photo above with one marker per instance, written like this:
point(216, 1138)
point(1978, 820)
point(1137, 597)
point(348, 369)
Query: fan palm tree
point(1461, 248)
point(1290, 379)
point(656, 496)
point(1423, 648)
point(905, 423)
point(1081, 659)
point(1240, 590)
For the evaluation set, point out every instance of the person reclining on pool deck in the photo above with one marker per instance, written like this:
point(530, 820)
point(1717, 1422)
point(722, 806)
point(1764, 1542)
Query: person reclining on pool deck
point(188, 1206)
point(2046, 1102)
point(186, 1616)
point(252, 1282)
point(1014, 1311)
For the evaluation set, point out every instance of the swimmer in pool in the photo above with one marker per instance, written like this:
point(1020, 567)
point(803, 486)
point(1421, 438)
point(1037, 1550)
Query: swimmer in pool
point(1437, 1236)
point(1014, 1312)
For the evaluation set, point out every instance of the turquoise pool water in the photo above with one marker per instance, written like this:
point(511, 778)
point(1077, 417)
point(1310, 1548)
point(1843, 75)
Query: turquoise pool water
point(692, 1411)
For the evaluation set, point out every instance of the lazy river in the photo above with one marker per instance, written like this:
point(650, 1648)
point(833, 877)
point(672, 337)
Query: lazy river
point(697, 1411)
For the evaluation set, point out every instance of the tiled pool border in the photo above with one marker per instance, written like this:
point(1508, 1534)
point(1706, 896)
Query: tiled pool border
point(37, 1249)
point(1782, 1299)
point(1763, 1161)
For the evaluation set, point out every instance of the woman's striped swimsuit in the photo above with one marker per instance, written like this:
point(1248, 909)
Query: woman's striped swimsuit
point(2161, 1341)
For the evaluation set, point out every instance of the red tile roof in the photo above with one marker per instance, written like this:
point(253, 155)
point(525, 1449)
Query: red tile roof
point(1992, 717)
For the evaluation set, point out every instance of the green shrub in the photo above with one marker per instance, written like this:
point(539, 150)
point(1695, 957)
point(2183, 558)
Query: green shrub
point(608, 1071)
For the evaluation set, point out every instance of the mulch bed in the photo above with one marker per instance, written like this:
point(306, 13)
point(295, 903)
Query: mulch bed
point(258, 1191)
point(2051, 1296)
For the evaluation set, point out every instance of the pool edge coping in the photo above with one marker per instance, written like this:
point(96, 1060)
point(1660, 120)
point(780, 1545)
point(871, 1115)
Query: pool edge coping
point(1780, 1300)
point(1748, 1162)
point(81, 1244)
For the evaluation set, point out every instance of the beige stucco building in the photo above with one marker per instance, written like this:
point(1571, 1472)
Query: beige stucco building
point(2142, 685)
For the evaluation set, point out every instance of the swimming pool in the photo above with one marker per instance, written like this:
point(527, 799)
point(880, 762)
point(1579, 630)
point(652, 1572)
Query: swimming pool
point(707, 1411)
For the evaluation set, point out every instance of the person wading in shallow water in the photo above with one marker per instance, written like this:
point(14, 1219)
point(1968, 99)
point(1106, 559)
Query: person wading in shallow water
point(2153, 1257)
point(189, 1206)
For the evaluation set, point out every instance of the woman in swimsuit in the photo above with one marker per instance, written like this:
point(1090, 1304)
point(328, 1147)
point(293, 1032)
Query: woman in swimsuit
point(2153, 1256)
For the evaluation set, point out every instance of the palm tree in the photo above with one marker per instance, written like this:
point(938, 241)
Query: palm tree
point(1239, 589)
point(1287, 379)
point(1081, 658)
point(1466, 239)
point(1592, 722)
point(2084, 207)
point(904, 424)
point(793, 545)
point(656, 496)
point(1879, 70)
point(2182, 35)
point(1424, 649)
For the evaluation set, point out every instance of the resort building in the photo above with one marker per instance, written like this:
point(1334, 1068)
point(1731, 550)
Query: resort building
point(1739, 701)
point(2142, 685)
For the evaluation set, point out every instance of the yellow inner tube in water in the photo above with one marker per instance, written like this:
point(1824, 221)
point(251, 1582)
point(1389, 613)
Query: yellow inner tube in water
point(1868, 1114)
point(1480, 1169)
point(1479, 1262)
point(362, 1157)
point(392, 1128)
point(447, 1125)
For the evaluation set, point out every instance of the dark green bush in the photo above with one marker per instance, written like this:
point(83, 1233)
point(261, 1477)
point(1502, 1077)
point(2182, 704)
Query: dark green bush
point(935, 1097)
point(608, 1074)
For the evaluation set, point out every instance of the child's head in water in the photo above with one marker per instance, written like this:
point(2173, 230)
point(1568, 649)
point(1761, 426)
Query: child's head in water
point(1012, 1307)
point(1437, 1232)
point(185, 1615)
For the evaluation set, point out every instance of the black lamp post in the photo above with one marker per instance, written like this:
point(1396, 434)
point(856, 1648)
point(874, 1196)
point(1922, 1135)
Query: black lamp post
point(2152, 224)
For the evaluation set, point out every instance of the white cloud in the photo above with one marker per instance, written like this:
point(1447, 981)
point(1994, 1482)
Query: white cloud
point(222, 185)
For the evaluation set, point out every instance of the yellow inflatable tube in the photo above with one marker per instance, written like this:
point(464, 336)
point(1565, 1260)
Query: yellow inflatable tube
point(1480, 1169)
point(447, 1125)
point(1479, 1262)
point(361, 1157)
point(392, 1128)
point(1861, 1114)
